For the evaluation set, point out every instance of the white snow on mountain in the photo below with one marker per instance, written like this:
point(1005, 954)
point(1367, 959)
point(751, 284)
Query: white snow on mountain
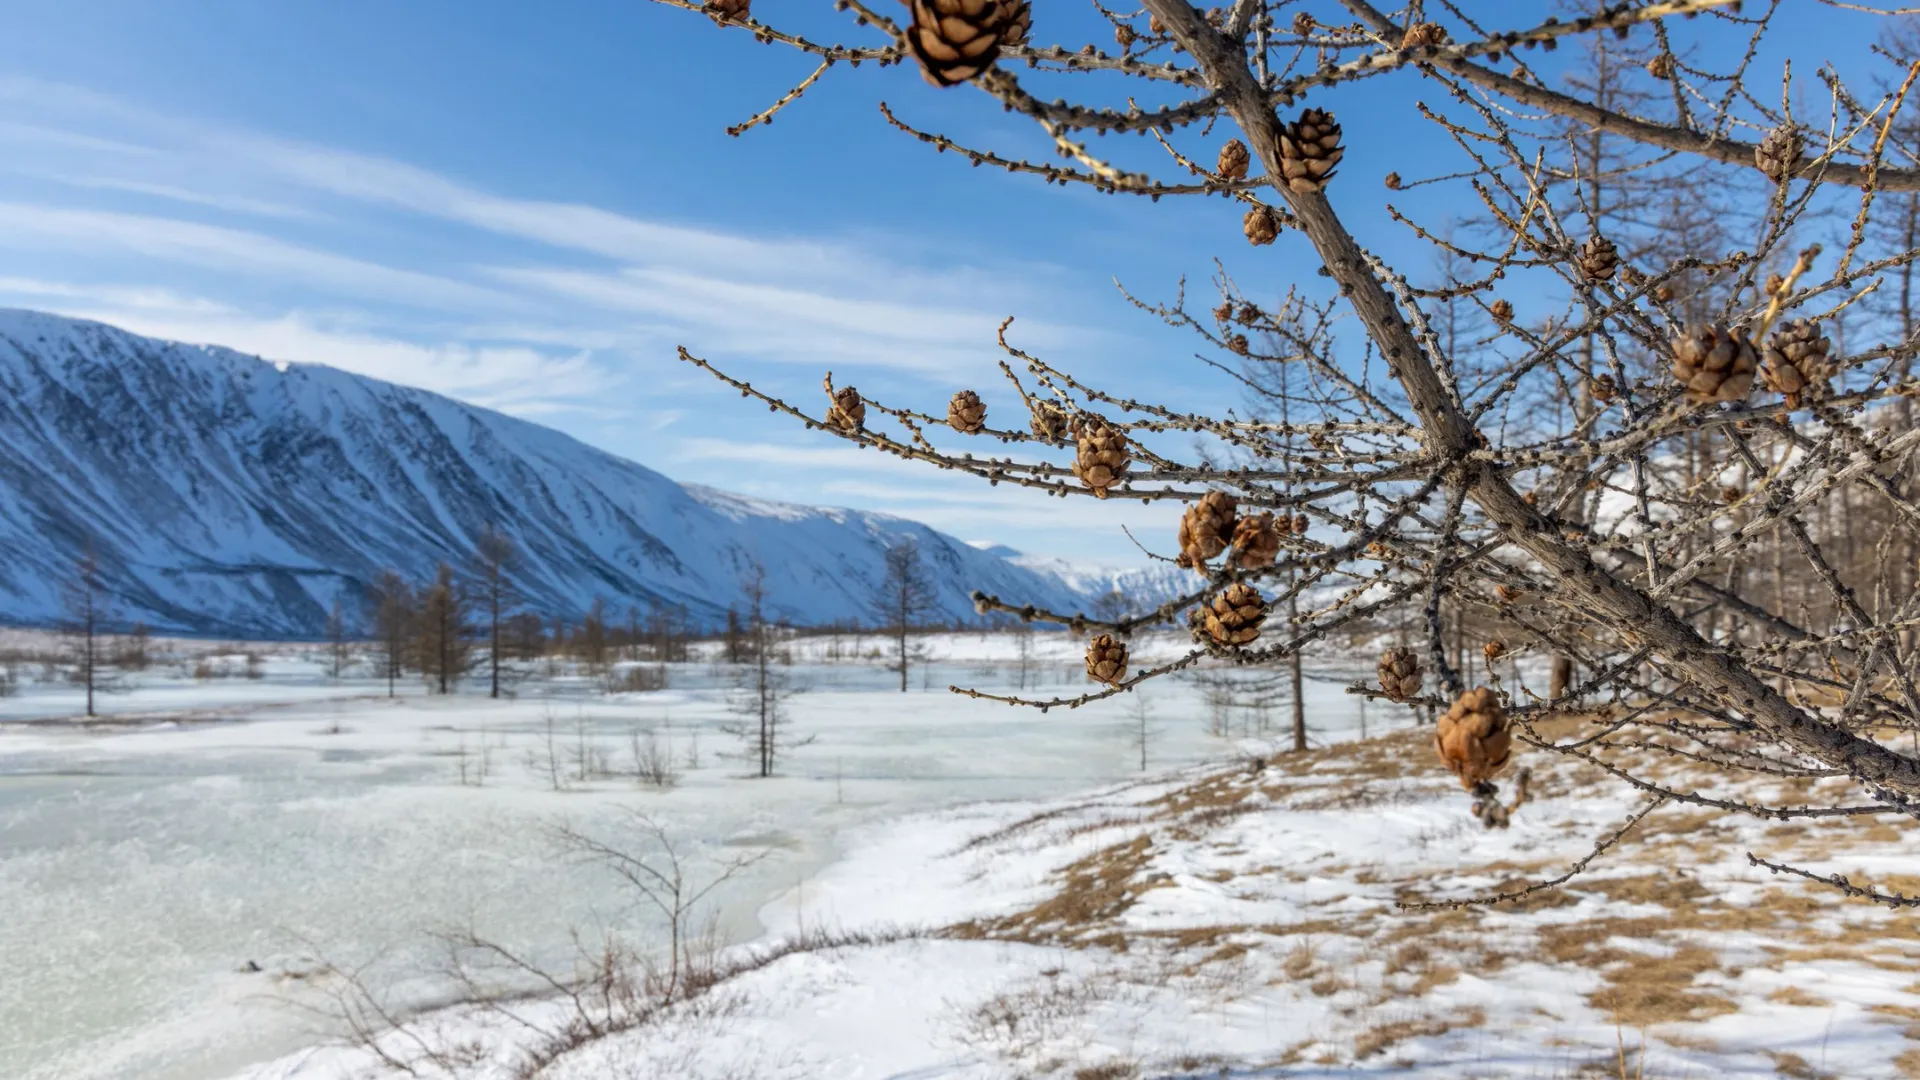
point(223, 494)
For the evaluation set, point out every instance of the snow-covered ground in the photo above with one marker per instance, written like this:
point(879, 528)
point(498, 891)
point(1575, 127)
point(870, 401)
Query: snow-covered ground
point(206, 824)
point(1242, 923)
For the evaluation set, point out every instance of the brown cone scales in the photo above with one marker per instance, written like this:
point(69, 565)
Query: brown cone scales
point(730, 9)
point(1400, 673)
point(848, 412)
point(1102, 458)
point(1423, 34)
point(966, 413)
point(1309, 150)
point(1106, 660)
point(1233, 160)
point(1205, 527)
point(1502, 311)
point(1599, 258)
point(1797, 363)
point(1714, 364)
point(1661, 67)
point(1019, 22)
point(1778, 155)
point(957, 40)
point(1473, 737)
point(1235, 615)
point(1261, 226)
point(1049, 421)
point(1256, 542)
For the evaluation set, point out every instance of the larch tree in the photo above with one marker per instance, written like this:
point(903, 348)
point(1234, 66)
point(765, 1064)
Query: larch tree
point(1725, 416)
point(445, 650)
point(760, 700)
point(339, 644)
point(85, 604)
point(392, 607)
point(493, 554)
point(903, 599)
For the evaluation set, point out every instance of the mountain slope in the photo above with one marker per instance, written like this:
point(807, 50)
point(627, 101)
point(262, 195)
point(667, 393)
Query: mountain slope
point(223, 494)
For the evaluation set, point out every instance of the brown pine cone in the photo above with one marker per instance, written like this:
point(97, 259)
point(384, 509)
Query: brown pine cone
point(1494, 650)
point(1473, 738)
point(1393, 181)
point(1778, 155)
point(1400, 674)
point(1256, 542)
point(1102, 460)
point(1261, 226)
point(1603, 388)
point(729, 9)
point(966, 413)
point(1309, 150)
point(1797, 362)
point(956, 40)
point(1599, 258)
point(1235, 615)
point(1237, 343)
point(1300, 524)
point(1019, 16)
point(1048, 420)
point(1124, 35)
point(848, 412)
point(1422, 34)
point(1714, 363)
point(1106, 660)
point(1631, 277)
point(1661, 67)
point(1502, 311)
point(1205, 527)
point(1302, 23)
point(1248, 314)
point(1234, 160)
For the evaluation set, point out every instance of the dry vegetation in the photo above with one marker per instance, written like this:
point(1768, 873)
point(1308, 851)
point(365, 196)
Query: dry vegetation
point(1663, 934)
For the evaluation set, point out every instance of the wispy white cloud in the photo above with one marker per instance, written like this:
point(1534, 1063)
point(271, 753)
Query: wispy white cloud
point(26, 224)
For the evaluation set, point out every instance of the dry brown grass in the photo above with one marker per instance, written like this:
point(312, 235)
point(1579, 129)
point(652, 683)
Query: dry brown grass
point(1383, 1036)
point(1094, 891)
point(1793, 995)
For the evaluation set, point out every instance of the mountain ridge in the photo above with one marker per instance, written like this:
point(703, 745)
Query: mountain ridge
point(226, 494)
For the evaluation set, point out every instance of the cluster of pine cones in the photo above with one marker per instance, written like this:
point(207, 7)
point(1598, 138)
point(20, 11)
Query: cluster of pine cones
point(1213, 524)
point(958, 40)
point(1718, 364)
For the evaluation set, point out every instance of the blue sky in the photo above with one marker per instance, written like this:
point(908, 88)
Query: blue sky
point(529, 206)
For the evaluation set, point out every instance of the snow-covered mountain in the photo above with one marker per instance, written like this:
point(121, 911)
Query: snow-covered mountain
point(222, 494)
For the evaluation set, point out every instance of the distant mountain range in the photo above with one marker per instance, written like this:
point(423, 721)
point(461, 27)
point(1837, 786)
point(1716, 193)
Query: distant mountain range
point(226, 495)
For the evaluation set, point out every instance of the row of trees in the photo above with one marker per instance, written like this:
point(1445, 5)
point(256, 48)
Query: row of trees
point(438, 628)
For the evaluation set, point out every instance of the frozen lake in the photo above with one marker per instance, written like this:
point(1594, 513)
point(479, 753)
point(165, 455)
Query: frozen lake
point(143, 863)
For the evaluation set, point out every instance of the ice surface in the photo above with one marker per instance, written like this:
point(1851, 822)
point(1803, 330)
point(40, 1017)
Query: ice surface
point(142, 862)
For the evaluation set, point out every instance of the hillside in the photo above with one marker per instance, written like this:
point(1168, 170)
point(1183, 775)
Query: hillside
point(223, 494)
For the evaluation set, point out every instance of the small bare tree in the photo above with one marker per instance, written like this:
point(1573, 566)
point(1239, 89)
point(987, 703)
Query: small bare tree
point(494, 554)
point(393, 605)
point(85, 604)
point(903, 599)
point(446, 653)
point(761, 698)
point(339, 643)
